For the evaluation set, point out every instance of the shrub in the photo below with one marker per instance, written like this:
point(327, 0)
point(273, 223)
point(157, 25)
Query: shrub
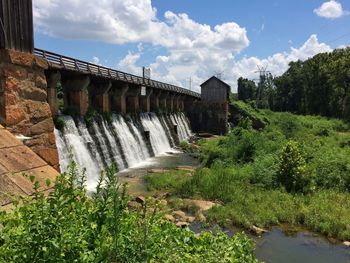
point(59, 123)
point(292, 170)
point(69, 226)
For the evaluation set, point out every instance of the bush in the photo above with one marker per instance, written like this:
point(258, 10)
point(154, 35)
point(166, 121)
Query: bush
point(292, 170)
point(69, 226)
point(59, 123)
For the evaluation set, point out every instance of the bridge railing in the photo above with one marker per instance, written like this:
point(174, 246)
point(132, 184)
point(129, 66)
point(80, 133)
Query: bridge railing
point(64, 62)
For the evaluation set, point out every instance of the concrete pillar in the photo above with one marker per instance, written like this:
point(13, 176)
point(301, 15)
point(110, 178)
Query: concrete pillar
point(118, 98)
point(53, 78)
point(181, 104)
point(145, 101)
point(155, 100)
point(133, 99)
point(163, 100)
point(170, 102)
point(176, 104)
point(76, 95)
point(98, 91)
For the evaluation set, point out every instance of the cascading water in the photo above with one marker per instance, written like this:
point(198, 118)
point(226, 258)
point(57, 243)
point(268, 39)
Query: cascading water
point(70, 138)
point(134, 148)
point(159, 141)
point(119, 141)
point(183, 129)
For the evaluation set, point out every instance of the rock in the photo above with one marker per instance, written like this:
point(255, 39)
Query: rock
point(182, 224)
point(179, 215)
point(50, 155)
point(157, 171)
point(170, 218)
point(42, 127)
point(141, 200)
point(163, 202)
point(14, 115)
point(185, 168)
point(201, 204)
point(346, 243)
point(201, 218)
point(257, 230)
point(191, 219)
point(20, 58)
point(133, 205)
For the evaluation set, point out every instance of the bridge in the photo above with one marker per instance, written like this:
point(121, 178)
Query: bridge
point(89, 85)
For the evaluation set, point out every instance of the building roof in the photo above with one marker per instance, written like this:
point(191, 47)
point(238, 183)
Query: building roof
point(216, 79)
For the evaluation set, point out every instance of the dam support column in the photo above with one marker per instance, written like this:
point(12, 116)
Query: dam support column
point(76, 94)
point(145, 101)
point(170, 102)
point(117, 98)
point(133, 99)
point(99, 98)
point(155, 100)
point(24, 109)
point(163, 100)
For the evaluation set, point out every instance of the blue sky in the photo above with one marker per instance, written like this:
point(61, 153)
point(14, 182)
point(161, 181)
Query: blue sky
point(173, 37)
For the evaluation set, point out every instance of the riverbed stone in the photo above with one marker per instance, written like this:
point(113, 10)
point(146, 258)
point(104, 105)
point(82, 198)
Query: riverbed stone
point(257, 230)
point(179, 215)
point(181, 224)
point(346, 243)
point(140, 199)
point(170, 218)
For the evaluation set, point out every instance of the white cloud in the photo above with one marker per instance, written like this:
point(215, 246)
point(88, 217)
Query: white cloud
point(194, 50)
point(181, 65)
point(96, 60)
point(331, 9)
point(128, 63)
point(132, 21)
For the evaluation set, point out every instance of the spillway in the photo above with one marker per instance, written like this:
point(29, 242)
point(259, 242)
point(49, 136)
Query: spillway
point(127, 142)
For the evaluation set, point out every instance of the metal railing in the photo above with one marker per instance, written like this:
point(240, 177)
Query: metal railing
point(67, 63)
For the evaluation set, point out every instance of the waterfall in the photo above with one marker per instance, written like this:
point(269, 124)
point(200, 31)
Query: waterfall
point(132, 143)
point(159, 141)
point(120, 141)
point(70, 138)
point(183, 129)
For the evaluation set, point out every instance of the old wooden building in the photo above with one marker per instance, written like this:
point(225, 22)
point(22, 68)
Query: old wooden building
point(214, 90)
point(210, 115)
point(16, 25)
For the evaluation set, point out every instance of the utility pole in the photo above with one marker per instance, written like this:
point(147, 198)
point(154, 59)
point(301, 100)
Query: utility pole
point(190, 82)
point(263, 73)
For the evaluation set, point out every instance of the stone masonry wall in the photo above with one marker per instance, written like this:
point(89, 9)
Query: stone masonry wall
point(23, 102)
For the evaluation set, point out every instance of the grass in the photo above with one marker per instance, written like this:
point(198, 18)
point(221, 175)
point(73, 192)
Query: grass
point(168, 180)
point(241, 173)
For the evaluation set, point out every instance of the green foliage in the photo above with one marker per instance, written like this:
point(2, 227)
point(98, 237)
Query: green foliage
point(69, 226)
point(292, 173)
point(59, 123)
point(90, 116)
point(317, 85)
point(72, 111)
point(245, 170)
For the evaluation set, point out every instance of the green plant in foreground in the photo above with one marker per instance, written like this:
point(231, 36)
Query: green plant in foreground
point(69, 226)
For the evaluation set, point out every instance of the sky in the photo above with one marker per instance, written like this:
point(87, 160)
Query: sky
point(186, 42)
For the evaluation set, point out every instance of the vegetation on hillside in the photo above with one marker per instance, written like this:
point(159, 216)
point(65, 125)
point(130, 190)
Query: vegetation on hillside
point(317, 86)
point(69, 226)
point(295, 170)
